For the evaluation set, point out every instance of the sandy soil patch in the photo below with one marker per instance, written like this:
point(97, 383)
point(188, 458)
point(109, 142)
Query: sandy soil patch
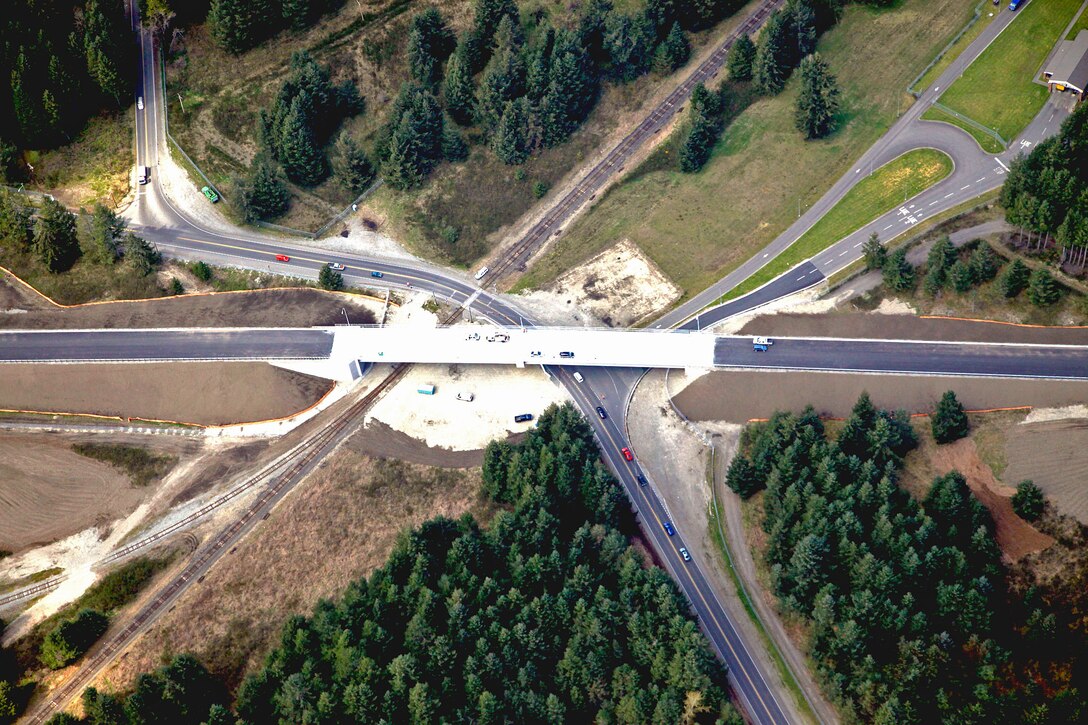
point(739, 396)
point(1054, 454)
point(364, 237)
point(47, 491)
point(337, 527)
point(202, 393)
point(620, 286)
point(443, 421)
point(1015, 536)
point(908, 327)
point(256, 308)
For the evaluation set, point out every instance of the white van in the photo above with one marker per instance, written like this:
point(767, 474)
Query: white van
point(482, 271)
point(579, 378)
point(145, 174)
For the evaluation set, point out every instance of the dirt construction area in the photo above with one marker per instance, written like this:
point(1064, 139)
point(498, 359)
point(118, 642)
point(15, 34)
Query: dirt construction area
point(740, 396)
point(22, 308)
point(1053, 454)
point(340, 524)
point(200, 393)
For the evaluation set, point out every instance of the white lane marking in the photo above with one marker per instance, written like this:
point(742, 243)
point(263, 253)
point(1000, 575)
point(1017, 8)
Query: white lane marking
point(886, 228)
point(947, 196)
point(766, 255)
point(934, 202)
point(799, 278)
point(858, 244)
point(1051, 118)
point(1002, 165)
point(844, 253)
point(1044, 130)
point(965, 187)
point(982, 179)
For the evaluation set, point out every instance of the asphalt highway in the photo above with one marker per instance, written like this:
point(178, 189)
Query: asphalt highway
point(73, 346)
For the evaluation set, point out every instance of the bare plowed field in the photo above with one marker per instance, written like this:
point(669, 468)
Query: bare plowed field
point(20, 308)
point(339, 525)
point(1054, 455)
point(908, 327)
point(740, 396)
point(47, 491)
point(203, 393)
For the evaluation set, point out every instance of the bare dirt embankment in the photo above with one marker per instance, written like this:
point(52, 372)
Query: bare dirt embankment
point(21, 308)
point(1054, 454)
point(337, 527)
point(201, 393)
point(743, 395)
point(908, 327)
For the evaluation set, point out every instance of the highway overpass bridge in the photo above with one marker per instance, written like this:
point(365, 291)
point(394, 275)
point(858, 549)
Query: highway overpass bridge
point(336, 352)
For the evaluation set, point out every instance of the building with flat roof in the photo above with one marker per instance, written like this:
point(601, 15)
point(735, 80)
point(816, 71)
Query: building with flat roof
point(1067, 70)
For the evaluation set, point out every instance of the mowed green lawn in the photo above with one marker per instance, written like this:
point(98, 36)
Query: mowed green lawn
point(997, 90)
point(889, 186)
point(698, 227)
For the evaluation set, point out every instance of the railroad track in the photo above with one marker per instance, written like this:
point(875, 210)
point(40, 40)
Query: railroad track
point(316, 448)
point(30, 592)
point(551, 224)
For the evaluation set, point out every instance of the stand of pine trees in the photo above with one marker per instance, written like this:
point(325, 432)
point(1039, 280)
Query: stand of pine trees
point(910, 616)
point(238, 25)
point(60, 62)
point(547, 615)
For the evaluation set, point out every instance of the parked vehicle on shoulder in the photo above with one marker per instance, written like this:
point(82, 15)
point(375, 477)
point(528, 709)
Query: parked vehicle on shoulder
point(209, 192)
point(337, 266)
point(684, 553)
point(145, 174)
point(566, 353)
point(601, 413)
point(669, 529)
point(523, 418)
point(627, 454)
point(1014, 4)
point(498, 337)
point(467, 397)
point(578, 377)
point(282, 258)
point(473, 336)
point(376, 275)
point(481, 273)
point(535, 353)
point(425, 389)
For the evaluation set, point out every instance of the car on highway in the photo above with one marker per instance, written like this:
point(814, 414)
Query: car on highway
point(145, 174)
point(523, 418)
point(209, 192)
point(337, 266)
point(627, 453)
point(140, 103)
point(566, 354)
point(600, 412)
point(535, 353)
point(1014, 4)
point(376, 275)
point(684, 553)
point(481, 273)
point(578, 377)
point(668, 528)
point(641, 479)
point(282, 258)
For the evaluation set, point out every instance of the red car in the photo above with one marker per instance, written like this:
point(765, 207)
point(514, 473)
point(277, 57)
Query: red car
point(282, 258)
point(627, 454)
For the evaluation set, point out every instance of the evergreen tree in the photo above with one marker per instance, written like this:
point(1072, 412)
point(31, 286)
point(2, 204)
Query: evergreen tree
point(402, 169)
point(454, 147)
point(742, 477)
point(572, 91)
point(1015, 279)
point(898, 273)
point(511, 143)
point(706, 125)
point(104, 231)
point(983, 263)
point(818, 99)
point(1042, 289)
point(770, 67)
point(503, 79)
point(430, 42)
point(459, 88)
point(628, 44)
point(875, 252)
point(661, 15)
point(1028, 501)
point(672, 52)
point(412, 144)
point(140, 255)
point(263, 194)
point(232, 25)
point(69, 640)
point(803, 29)
point(488, 16)
point(295, 13)
point(741, 58)
point(330, 279)
point(961, 276)
point(351, 165)
point(16, 221)
point(935, 280)
point(55, 240)
point(302, 160)
point(942, 255)
point(949, 422)
point(107, 46)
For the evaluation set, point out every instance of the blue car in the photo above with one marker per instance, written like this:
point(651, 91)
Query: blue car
point(1014, 4)
point(377, 275)
point(669, 529)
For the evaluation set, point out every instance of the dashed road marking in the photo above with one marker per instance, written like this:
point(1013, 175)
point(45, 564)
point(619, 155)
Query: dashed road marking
point(934, 202)
point(858, 244)
point(844, 253)
point(886, 228)
point(1002, 164)
point(979, 180)
point(949, 196)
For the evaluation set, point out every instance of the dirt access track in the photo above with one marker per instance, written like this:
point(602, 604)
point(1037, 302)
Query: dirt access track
point(23, 308)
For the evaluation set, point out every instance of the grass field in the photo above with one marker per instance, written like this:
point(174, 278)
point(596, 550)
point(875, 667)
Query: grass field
point(1081, 24)
point(96, 166)
point(987, 142)
point(986, 16)
point(997, 90)
point(698, 227)
point(891, 184)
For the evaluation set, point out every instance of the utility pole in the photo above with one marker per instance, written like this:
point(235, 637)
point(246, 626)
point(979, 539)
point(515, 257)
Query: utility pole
point(345, 311)
point(182, 103)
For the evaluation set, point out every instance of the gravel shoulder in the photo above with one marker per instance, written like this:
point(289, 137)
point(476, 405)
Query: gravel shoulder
point(677, 462)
